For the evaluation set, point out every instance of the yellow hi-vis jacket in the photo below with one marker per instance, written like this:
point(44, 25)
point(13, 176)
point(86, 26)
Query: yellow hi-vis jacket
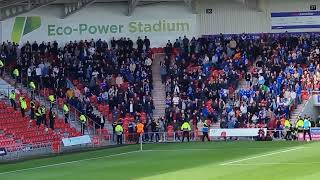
point(23, 104)
point(16, 72)
point(12, 96)
point(32, 85)
point(185, 127)
point(51, 98)
point(65, 109)
point(287, 124)
point(119, 129)
point(83, 119)
point(1, 64)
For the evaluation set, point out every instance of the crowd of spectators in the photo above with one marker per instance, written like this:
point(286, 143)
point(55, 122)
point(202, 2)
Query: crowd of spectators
point(114, 72)
point(202, 78)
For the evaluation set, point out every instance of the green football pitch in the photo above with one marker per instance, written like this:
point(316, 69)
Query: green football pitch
point(241, 160)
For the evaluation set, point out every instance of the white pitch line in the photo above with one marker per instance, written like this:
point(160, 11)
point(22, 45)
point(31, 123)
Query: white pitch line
point(274, 163)
point(69, 162)
point(264, 155)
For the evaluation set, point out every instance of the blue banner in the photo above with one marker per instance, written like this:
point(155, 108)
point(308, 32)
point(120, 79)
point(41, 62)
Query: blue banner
point(295, 20)
point(293, 14)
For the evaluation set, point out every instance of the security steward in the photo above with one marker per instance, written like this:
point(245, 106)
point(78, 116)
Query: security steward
point(119, 132)
point(83, 120)
point(32, 86)
point(52, 117)
point(23, 106)
point(32, 109)
point(39, 116)
point(12, 97)
point(287, 126)
point(140, 131)
point(306, 128)
point(205, 131)
point(43, 115)
point(1, 67)
point(299, 125)
point(185, 128)
point(16, 74)
point(52, 100)
point(66, 112)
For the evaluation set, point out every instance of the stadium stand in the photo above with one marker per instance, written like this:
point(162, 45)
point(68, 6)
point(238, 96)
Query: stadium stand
point(277, 71)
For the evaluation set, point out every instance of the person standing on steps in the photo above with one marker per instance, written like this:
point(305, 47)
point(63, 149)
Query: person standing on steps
point(16, 75)
point(32, 109)
point(32, 86)
point(43, 115)
point(66, 112)
point(52, 100)
point(52, 117)
point(39, 116)
point(83, 120)
point(12, 97)
point(1, 67)
point(23, 106)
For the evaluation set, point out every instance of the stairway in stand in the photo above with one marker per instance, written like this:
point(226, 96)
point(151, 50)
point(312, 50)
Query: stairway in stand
point(158, 93)
point(297, 112)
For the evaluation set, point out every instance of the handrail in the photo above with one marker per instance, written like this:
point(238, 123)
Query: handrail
point(88, 121)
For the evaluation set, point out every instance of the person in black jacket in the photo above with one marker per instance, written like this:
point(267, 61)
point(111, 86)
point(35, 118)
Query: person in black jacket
point(52, 117)
point(155, 132)
point(140, 44)
point(146, 42)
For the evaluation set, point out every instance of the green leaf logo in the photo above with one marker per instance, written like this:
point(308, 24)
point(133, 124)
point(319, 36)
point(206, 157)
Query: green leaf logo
point(23, 26)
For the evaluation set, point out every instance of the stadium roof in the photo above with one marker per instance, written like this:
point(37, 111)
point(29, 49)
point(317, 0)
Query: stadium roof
point(12, 8)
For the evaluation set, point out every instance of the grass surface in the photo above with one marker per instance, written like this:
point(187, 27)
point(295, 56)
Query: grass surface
point(241, 160)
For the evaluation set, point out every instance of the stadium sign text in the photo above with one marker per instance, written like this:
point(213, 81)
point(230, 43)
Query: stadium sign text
point(132, 27)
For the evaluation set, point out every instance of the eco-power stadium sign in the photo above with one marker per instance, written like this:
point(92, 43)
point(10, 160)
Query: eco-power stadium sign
point(25, 25)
